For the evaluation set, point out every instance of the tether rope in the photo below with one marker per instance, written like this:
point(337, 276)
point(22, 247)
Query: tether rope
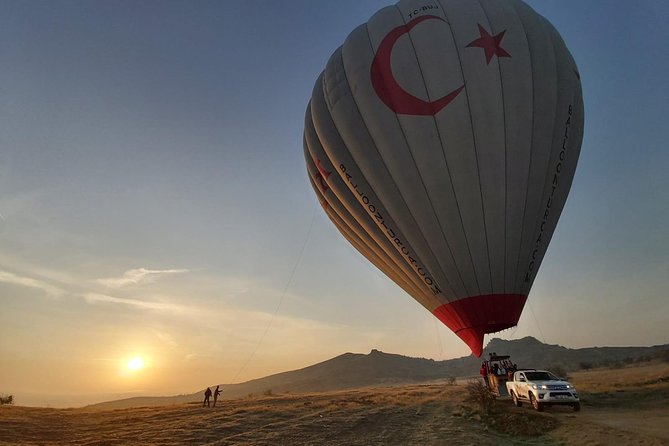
point(281, 299)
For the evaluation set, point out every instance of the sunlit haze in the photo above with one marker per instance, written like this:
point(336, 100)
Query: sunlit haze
point(136, 363)
point(158, 233)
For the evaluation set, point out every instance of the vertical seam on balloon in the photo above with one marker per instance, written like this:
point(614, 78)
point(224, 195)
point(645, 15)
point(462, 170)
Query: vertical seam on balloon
point(443, 150)
point(555, 115)
point(427, 244)
point(399, 124)
point(529, 166)
point(529, 52)
point(450, 288)
point(517, 284)
point(343, 213)
point(441, 143)
point(566, 180)
point(391, 253)
point(501, 89)
point(534, 224)
point(476, 156)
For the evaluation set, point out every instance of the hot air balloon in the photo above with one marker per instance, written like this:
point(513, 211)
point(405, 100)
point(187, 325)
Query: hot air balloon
point(441, 140)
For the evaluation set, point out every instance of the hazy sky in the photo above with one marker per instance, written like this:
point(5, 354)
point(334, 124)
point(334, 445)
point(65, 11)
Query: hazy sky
point(154, 200)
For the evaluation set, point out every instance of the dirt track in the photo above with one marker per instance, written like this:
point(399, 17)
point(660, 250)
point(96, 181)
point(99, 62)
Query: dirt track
point(420, 414)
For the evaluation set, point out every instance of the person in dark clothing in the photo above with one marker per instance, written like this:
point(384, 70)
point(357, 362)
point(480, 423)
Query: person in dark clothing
point(207, 394)
point(216, 393)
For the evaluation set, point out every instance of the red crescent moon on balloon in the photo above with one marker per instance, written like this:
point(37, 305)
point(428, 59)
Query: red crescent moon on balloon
point(389, 91)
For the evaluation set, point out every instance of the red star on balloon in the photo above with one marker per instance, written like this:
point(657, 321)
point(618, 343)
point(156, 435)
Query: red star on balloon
point(490, 44)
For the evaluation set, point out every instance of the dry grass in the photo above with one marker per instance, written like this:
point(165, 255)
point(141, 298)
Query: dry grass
point(412, 415)
point(634, 375)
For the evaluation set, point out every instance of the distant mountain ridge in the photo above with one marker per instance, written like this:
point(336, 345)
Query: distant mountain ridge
point(356, 370)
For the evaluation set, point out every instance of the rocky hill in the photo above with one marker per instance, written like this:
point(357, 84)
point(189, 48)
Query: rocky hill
point(355, 370)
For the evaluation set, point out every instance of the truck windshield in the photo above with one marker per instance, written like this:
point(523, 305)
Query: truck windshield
point(540, 376)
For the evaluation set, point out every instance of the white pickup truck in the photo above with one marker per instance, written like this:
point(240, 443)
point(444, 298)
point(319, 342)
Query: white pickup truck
point(541, 388)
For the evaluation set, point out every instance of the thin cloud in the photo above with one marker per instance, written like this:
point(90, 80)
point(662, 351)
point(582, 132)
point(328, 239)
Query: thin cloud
point(166, 338)
point(195, 356)
point(94, 298)
point(137, 276)
point(62, 278)
point(29, 282)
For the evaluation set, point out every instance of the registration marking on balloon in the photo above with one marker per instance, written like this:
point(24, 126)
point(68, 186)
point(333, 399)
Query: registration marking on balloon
point(422, 9)
point(372, 210)
point(557, 170)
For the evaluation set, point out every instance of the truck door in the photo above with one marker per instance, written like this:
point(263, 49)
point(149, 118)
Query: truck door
point(521, 385)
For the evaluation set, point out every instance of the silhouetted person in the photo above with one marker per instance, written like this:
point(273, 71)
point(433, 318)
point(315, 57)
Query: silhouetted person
point(484, 373)
point(207, 394)
point(216, 393)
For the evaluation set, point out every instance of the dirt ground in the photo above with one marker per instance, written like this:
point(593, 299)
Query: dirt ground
point(629, 406)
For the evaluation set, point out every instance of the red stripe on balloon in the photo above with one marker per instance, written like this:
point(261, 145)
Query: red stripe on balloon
point(472, 317)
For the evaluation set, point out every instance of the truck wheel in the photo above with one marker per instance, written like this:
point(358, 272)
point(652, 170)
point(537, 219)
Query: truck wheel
point(577, 407)
point(516, 401)
point(539, 407)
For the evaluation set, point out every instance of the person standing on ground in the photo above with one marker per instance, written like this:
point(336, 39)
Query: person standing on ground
point(484, 373)
point(207, 394)
point(216, 393)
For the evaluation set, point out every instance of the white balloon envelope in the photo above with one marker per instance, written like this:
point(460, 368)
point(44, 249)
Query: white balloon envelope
point(442, 140)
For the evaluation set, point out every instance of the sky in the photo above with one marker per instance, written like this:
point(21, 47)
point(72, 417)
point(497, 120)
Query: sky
point(154, 201)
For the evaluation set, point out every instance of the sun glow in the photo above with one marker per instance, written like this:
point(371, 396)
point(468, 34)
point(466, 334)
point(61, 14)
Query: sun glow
point(136, 363)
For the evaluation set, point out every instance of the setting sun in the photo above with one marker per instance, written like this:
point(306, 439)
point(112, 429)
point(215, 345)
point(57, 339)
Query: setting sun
point(135, 363)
